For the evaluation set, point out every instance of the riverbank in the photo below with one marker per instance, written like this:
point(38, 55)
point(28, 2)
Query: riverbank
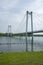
point(12, 34)
point(21, 58)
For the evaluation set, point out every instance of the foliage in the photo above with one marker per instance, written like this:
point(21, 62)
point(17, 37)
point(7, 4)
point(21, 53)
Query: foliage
point(18, 34)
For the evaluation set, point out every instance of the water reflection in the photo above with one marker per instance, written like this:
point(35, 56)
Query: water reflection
point(18, 44)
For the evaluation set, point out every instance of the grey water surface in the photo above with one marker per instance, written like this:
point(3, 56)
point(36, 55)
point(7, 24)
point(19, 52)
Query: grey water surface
point(18, 44)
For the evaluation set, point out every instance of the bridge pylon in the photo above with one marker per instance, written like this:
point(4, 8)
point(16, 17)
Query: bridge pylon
point(30, 13)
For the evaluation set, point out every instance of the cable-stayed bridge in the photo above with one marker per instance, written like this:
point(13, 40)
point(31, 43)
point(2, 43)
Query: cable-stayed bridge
point(24, 24)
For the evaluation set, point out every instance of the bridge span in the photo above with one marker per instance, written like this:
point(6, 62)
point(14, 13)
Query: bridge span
point(38, 31)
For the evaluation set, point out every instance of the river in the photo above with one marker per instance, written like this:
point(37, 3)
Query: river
point(18, 44)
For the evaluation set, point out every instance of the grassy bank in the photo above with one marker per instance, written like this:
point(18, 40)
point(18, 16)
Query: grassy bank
point(21, 58)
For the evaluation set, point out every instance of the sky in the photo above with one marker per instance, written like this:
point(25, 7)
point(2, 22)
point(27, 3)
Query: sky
point(13, 11)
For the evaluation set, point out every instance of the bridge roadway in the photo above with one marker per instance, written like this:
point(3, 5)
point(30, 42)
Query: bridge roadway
point(38, 31)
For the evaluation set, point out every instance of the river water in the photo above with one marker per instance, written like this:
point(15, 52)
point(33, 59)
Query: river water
point(18, 44)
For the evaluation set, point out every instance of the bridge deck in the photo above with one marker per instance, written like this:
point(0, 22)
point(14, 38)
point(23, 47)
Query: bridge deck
point(39, 31)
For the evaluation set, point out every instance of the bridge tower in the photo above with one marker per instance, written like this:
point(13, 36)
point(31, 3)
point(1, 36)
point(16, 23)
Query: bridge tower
point(9, 30)
point(29, 13)
point(26, 30)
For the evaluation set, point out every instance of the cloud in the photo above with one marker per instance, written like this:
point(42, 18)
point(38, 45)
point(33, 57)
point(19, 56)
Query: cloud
point(8, 4)
point(33, 5)
point(12, 12)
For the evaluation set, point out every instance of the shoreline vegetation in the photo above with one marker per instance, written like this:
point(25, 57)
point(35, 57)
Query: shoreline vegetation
point(21, 34)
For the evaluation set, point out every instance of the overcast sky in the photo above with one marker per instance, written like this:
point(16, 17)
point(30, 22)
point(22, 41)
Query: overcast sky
point(12, 12)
